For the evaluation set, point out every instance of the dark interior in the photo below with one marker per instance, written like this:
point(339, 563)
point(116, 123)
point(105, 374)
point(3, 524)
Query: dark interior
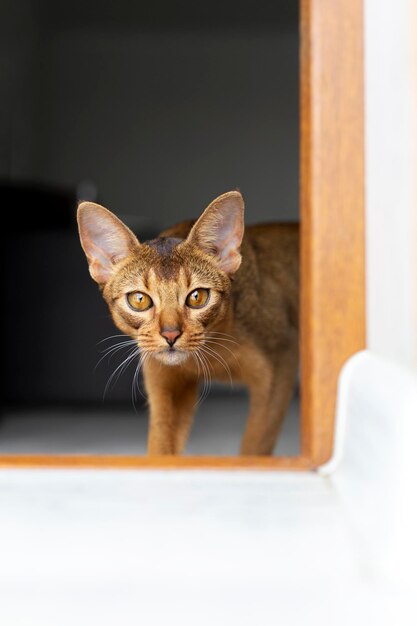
point(151, 109)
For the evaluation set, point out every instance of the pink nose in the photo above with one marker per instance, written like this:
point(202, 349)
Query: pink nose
point(171, 335)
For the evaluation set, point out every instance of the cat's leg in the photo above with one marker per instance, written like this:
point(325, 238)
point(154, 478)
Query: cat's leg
point(270, 395)
point(172, 397)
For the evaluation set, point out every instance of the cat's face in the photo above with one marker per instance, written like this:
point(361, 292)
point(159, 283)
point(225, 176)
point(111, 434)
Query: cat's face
point(167, 293)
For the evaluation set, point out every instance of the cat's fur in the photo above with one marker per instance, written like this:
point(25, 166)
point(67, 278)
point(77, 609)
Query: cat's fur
point(248, 329)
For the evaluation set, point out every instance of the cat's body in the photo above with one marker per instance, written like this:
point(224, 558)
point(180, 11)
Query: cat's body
point(244, 327)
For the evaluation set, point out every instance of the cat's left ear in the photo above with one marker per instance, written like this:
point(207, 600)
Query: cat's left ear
point(219, 230)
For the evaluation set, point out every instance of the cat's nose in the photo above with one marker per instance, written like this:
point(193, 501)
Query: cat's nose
point(171, 335)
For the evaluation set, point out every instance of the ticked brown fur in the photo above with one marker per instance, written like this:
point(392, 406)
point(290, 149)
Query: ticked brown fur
point(247, 331)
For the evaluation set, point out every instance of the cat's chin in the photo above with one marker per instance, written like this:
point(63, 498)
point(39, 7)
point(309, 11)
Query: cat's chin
point(171, 357)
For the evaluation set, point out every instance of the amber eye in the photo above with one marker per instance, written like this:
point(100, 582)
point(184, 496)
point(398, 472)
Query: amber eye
point(139, 301)
point(197, 298)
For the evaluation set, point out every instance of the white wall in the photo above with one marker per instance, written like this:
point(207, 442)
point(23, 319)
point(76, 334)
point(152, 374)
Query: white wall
point(391, 177)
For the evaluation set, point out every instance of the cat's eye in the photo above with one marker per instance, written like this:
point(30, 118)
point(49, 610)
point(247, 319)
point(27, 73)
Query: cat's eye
point(139, 301)
point(197, 298)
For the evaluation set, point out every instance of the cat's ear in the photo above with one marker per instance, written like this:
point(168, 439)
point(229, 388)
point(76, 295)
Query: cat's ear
point(219, 230)
point(105, 239)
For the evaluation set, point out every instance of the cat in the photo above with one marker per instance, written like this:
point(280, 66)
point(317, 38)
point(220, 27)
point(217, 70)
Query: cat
point(203, 299)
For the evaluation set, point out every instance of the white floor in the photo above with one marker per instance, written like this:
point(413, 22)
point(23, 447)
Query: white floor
point(217, 430)
point(155, 548)
point(108, 547)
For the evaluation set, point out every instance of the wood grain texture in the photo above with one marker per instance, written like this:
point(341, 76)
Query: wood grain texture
point(162, 462)
point(332, 209)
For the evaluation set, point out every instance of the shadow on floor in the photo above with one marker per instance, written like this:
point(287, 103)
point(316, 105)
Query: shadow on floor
point(217, 430)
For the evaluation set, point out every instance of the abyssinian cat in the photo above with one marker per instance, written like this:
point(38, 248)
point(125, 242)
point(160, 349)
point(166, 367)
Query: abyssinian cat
point(203, 299)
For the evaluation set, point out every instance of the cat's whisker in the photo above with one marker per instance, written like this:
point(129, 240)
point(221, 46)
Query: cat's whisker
point(211, 352)
point(225, 339)
point(214, 342)
point(135, 381)
point(118, 346)
point(200, 369)
point(204, 392)
point(226, 335)
point(114, 377)
point(119, 343)
point(217, 342)
point(119, 370)
point(111, 351)
point(110, 337)
point(128, 361)
point(135, 384)
point(195, 357)
point(207, 375)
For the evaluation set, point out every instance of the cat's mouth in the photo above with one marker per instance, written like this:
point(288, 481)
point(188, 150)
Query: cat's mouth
point(172, 355)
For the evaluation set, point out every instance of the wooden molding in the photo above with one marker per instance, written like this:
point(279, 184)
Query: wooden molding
point(332, 210)
point(162, 462)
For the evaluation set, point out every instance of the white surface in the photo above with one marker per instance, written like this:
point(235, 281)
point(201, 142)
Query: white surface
point(181, 548)
point(391, 180)
point(187, 547)
point(153, 548)
point(375, 465)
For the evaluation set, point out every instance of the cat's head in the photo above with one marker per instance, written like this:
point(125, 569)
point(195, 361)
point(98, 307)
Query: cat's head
point(169, 292)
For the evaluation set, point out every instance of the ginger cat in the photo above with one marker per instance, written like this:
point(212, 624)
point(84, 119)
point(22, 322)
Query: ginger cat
point(203, 299)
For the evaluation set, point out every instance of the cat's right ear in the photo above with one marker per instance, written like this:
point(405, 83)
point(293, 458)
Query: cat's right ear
point(105, 240)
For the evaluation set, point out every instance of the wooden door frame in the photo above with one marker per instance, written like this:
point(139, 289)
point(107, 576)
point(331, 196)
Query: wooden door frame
point(332, 241)
point(332, 210)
